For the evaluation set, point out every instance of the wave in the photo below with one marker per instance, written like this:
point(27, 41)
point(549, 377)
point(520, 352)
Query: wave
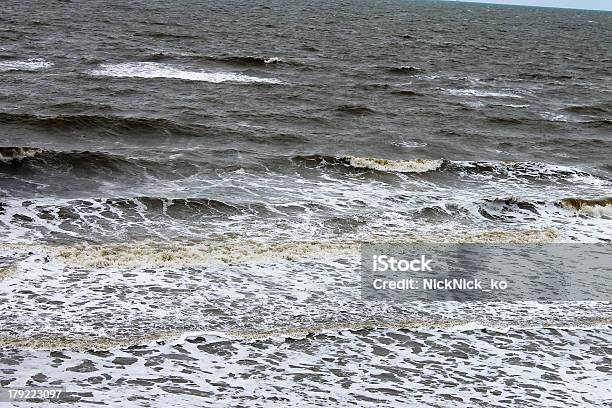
point(409, 143)
point(500, 207)
point(513, 208)
point(592, 110)
point(16, 154)
point(463, 326)
point(514, 169)
point(81, 160)
point(512, 105)
point(185, 254)
point(32, 64)
point(600, 207)
point(604, 123)
point(481, 93)
point(159, 34)
point(185, 206)
point(385, 165)
point(406, 92)
point(515, 202)
point(108, 123)
point(400, 166)
point(289, 334)
point(153, 70)
point(180, 253)
point(76, 106)
point(405, 70)
point(89, 344)
point(246, 60)
point(354, 109)
point(158, 56)
point(543, 75)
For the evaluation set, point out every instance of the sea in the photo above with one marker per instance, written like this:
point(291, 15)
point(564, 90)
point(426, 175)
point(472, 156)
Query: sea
point(185, 187)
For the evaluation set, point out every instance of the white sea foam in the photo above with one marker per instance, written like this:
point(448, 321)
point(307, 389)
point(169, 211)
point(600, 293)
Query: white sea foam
point(515, 106)
point(178, 254)
point(8, 154)
point(31, 64)
point(598, 208)
point(401, 166)
point(409, 143)
point(553, 117)
point(481, 93)
point(380, 368)
point(273, 60)
point(157, 70)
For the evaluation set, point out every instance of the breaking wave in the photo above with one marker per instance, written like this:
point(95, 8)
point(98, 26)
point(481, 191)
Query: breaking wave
point(601, 207)
point(16, 154)
point(481, 93)
point(385, 165)
point(153, 70)
point(180, 253)
point(514, 169)
point(501, 207)
point(400, 166)
point(32, 64)
point(405, 70)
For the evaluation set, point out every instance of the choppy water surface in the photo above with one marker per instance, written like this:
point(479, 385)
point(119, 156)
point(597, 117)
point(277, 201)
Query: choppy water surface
point(184, 187)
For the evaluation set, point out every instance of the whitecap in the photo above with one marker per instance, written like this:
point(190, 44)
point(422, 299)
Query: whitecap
point(9, 154)
point(157, 70)
point(31, 64)
point(481, 93)
point(272, 60)
point(409, 143)
point(401, 166)
point(553, 117)
point(599, 208)
point(515, 106)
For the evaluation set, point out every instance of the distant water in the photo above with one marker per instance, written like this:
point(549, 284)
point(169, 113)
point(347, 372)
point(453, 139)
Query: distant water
point(184, 187)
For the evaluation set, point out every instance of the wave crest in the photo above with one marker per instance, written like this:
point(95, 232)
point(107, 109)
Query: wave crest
point(31, 64)
point(399, 166)
point(248, 60)
point(601, 207)
point(385, 165)
point(180, 253)
point(16, 154)
point(405, 70)
point(501, 168)
point(110, 124)
point(154, 70)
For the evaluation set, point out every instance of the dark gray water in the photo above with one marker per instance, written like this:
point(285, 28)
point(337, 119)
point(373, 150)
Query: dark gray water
point(237, 103)
point(184, 187)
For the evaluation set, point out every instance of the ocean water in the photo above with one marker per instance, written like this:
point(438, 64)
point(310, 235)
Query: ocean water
point(185, 187)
